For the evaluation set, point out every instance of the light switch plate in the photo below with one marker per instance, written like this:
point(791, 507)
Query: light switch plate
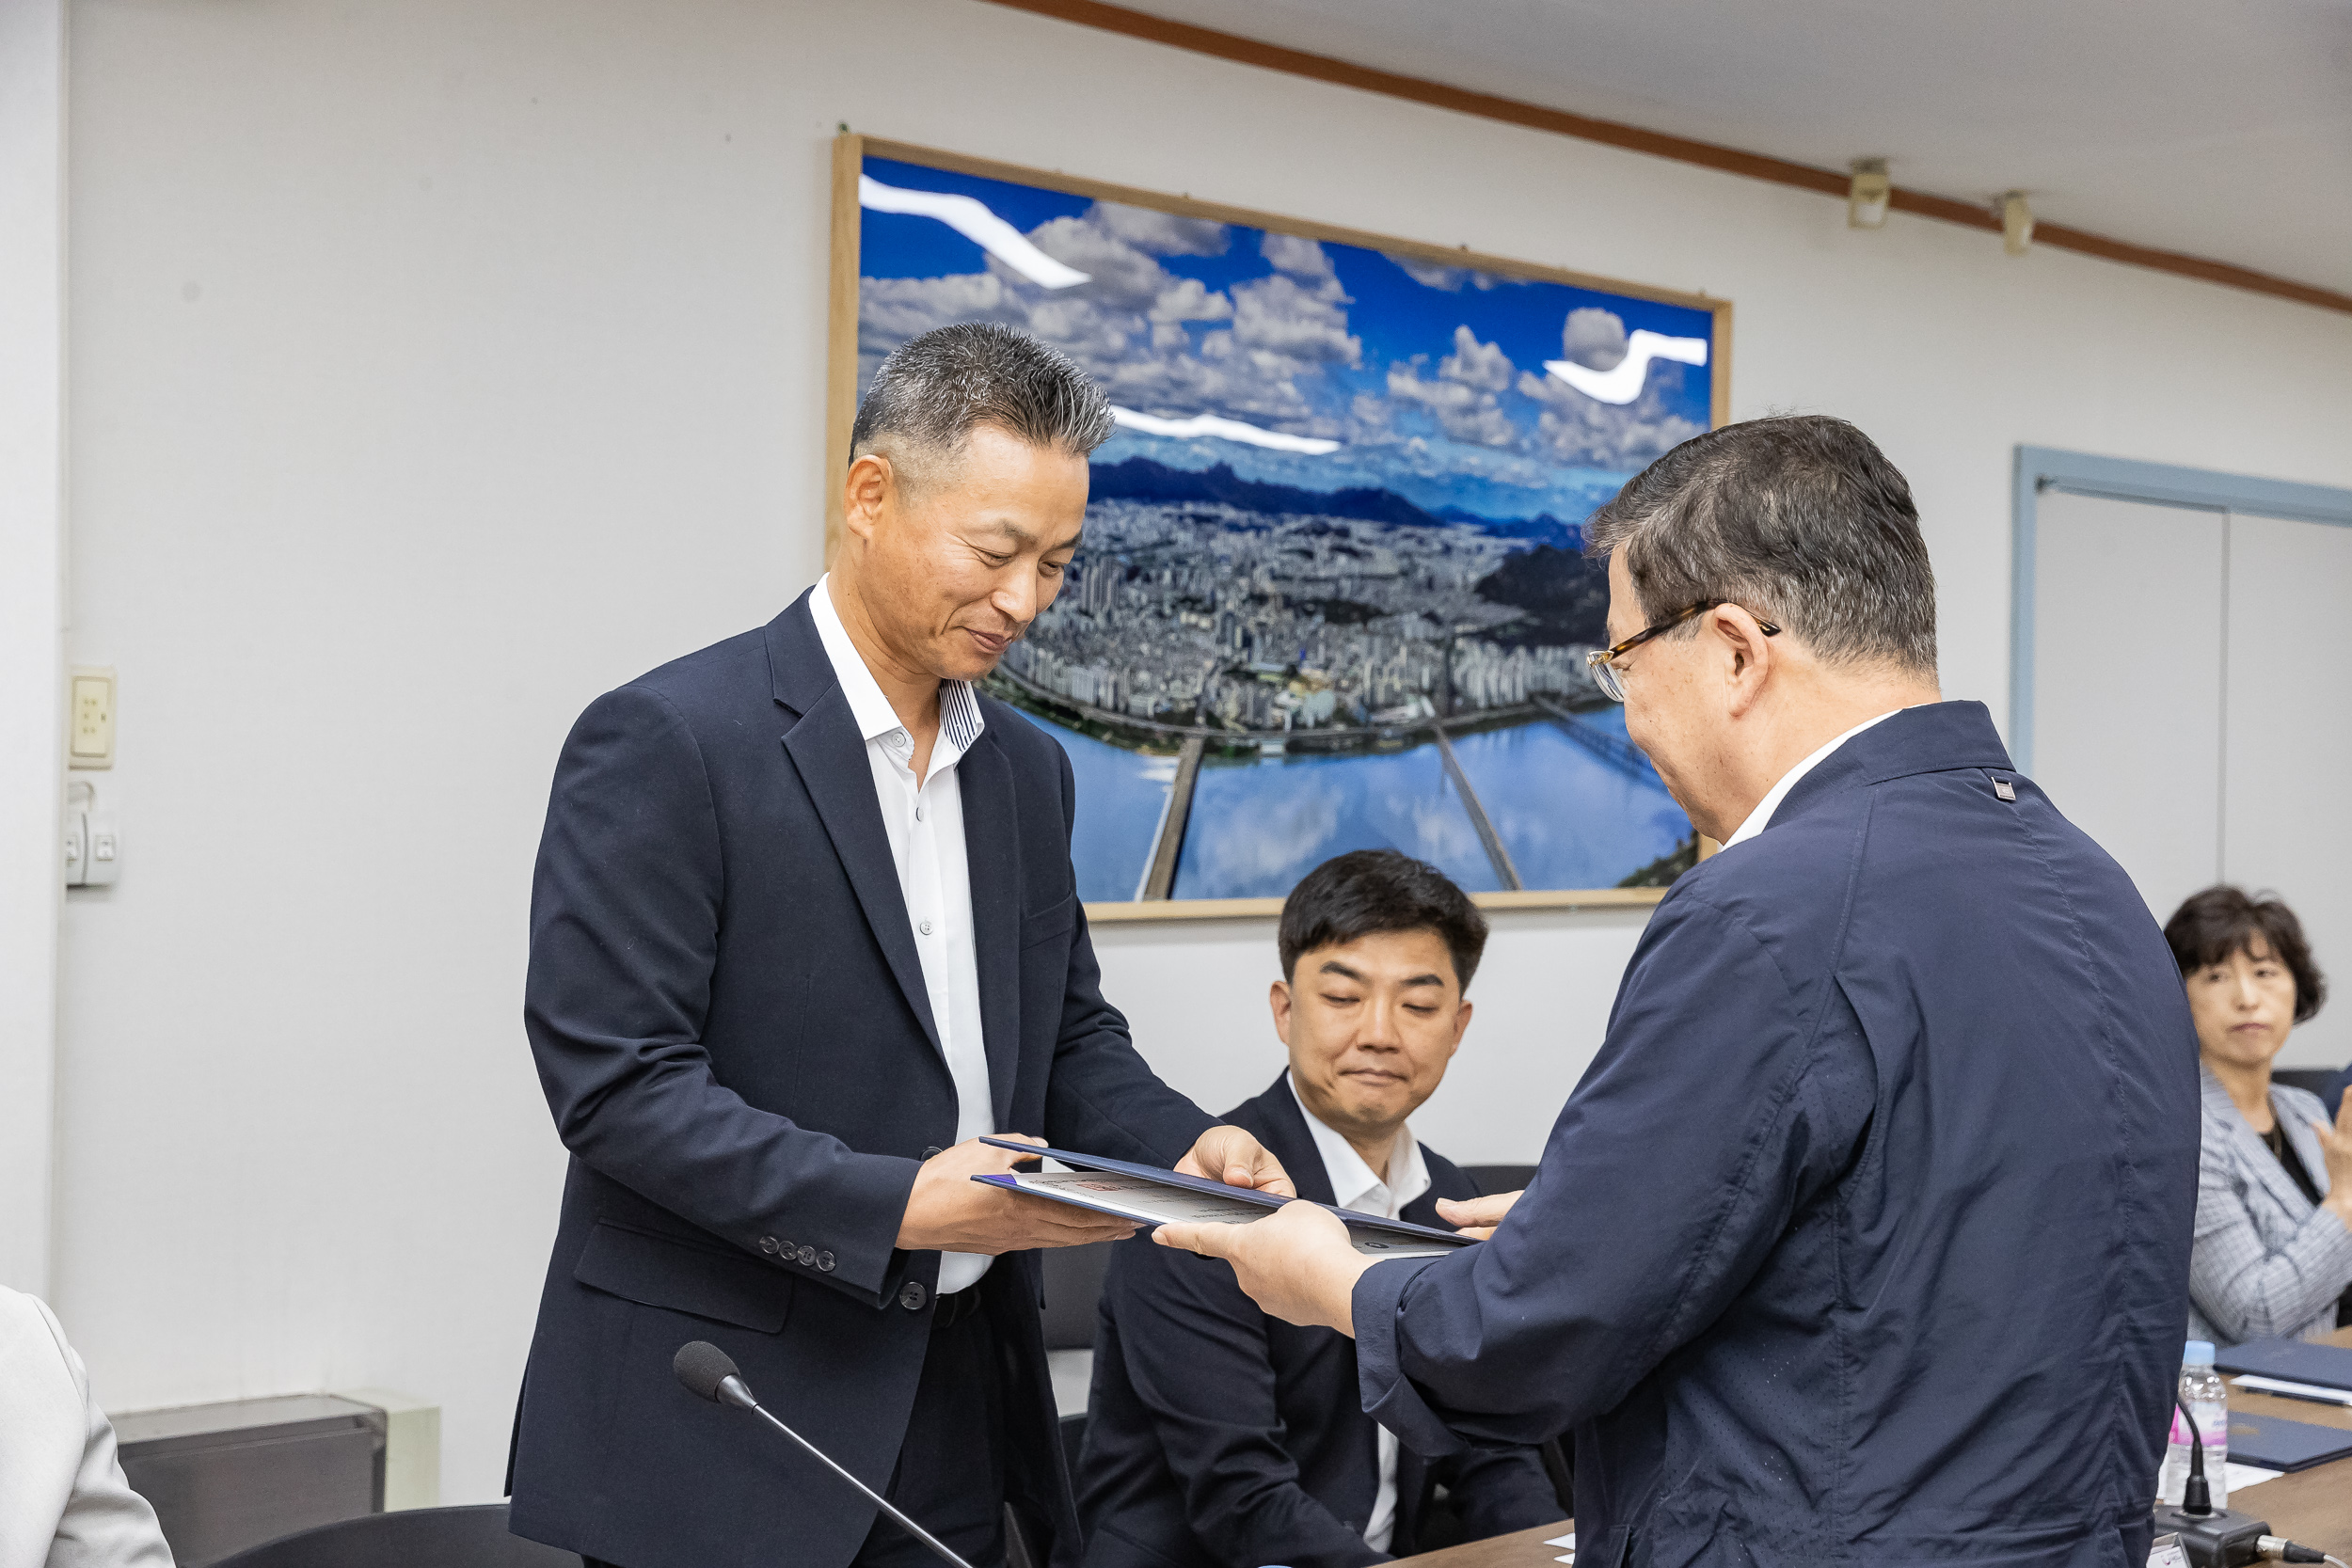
point(90, 718)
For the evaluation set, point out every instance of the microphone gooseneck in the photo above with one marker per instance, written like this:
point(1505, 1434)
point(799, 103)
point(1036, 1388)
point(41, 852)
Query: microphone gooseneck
point(708, 1372)
point(2196, 1493)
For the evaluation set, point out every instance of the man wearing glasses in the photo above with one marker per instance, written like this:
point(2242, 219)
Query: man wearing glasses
point(1866, 1236)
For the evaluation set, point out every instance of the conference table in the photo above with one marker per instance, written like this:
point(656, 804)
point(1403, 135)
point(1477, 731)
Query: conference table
point(2312, 1506)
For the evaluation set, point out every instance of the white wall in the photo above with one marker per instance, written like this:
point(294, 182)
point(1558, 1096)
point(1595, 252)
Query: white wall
point(32, 620)
point(438, 365)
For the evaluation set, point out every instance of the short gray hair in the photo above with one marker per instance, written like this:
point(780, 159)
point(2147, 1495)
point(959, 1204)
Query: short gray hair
point(1800, 520)
point(932, 391)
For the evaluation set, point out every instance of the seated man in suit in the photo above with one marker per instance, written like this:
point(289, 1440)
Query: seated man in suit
point(1219, 1436)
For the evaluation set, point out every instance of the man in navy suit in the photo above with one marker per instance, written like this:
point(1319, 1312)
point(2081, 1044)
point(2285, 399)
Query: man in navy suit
point(804, 927)
point(1864, 1237)
point(1216, 1434)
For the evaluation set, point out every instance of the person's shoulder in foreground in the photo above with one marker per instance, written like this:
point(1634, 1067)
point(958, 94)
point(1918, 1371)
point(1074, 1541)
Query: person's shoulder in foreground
point(1865, 1235)
point(1217, 1434)
point(64, 1502)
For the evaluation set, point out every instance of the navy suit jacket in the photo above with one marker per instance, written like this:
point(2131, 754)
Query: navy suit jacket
point(731, 1026)
point(1866, 1236)
point(1216, 1434)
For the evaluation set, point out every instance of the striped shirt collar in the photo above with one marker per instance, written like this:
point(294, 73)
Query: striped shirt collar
point(960, 720)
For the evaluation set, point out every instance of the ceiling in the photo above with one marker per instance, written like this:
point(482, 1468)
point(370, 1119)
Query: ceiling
point(2219, 127)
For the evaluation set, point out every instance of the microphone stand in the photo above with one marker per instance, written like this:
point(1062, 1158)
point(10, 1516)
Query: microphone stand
point(731, 1389)
point(939, 1548)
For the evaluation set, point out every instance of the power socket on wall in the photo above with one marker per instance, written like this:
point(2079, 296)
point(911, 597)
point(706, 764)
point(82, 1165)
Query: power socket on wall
point(90, 718)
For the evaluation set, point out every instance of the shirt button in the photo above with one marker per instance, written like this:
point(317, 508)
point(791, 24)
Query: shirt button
point(918, 814)
point(912, 1295)
point(925, 927)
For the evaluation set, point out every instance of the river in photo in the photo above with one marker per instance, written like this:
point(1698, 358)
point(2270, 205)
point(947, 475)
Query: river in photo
point(1569, 817)
point(1121, 796)
point(1260, 824)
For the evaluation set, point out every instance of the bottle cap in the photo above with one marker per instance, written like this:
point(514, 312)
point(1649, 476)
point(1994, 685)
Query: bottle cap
point(2200, 1353)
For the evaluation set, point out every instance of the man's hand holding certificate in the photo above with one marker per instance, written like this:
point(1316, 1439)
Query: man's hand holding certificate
point(1220, 1221)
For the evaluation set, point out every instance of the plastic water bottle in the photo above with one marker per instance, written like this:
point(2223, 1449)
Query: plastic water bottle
point(2208, 1400)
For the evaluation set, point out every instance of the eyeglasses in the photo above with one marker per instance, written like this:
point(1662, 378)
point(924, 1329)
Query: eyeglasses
point(1603, 662)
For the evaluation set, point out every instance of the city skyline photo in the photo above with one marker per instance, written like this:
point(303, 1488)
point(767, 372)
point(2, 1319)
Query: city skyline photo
point(1330, 594)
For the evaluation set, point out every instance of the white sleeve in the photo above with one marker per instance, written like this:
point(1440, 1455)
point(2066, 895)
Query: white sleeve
point(63, 1500)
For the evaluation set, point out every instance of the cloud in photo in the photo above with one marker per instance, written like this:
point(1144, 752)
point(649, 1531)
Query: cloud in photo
point(1593, 338)
point(1472, 363)
point(1160, 234)
point(1300, 257)
point(1280, 316)
point(1432, 274)
point(1575, 429)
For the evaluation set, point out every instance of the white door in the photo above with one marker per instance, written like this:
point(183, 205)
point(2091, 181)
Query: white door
point(2127, 683)
point(2286, 753)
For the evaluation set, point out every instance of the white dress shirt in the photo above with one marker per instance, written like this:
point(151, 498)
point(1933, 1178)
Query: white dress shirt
point(925, 822)
point(1355, 1186)
point(63, 1501)
point(1762, 814)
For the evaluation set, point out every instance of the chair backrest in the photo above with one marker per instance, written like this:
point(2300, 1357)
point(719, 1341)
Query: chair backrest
point(2325, 1082)
point(413, 1538)
point(1073, 1288)
point(1499, 1179)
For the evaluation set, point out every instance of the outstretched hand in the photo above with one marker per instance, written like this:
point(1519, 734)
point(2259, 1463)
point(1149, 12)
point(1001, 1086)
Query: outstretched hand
point(950, 1211)
point(2335, 1145)
point(1230, 1155)
point(1477, 1216)
point(1296, 1263)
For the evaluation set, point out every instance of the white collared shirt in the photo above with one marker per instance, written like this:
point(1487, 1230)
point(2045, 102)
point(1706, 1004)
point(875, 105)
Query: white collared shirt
point(1762, 814)
point(924, 823)
point(1355, 1186)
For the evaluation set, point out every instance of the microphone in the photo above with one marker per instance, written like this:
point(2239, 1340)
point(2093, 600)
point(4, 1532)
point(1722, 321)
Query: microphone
point(710, 1373)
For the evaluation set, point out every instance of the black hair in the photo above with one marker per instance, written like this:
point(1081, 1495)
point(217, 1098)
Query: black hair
point(2210, 926)
point(1365, 892)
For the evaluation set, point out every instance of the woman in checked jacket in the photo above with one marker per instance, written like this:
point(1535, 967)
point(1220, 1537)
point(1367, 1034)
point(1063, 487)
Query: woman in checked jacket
point(2273, 1251)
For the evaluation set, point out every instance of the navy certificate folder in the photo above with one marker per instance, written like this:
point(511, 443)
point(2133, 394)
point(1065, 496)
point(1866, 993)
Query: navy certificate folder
point(2289, 1361)
point(1425, 1235)
point(2276, 1443)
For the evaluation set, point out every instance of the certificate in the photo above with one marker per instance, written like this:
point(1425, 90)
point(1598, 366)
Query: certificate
point(1150, 1197)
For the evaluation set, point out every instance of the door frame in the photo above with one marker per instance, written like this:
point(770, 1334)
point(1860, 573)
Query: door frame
point(2081, 473)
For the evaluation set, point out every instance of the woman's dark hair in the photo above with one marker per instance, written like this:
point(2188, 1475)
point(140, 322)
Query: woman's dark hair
point(2210, 926)
point(1368, 891)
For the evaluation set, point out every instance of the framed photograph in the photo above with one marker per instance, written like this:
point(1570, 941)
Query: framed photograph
point(1331, 595)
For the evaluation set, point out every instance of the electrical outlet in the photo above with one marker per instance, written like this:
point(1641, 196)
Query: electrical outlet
point(90, 720)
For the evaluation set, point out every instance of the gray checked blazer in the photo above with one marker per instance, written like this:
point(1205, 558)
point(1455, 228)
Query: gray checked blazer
point(2267, 1263)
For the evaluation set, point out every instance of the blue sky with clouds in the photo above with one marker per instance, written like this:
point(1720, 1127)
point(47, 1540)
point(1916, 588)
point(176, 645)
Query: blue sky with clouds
point(1431, 379)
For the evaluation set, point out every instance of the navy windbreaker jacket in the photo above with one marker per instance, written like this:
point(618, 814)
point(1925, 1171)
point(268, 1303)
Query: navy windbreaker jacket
point(1865, 1239)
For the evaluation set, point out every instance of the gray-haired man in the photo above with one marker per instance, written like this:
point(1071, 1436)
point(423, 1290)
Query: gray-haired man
point(805, 928)
point(1865, 1238)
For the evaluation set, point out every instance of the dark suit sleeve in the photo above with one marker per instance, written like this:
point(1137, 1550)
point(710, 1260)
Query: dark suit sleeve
point(1710, 1115)
point(1497, 1488)
point(624, 936)
point(1101, 1098)
point(1195, 1354)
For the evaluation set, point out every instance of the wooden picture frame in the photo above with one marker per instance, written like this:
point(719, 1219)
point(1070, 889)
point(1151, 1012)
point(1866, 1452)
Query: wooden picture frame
point(1153, 899)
